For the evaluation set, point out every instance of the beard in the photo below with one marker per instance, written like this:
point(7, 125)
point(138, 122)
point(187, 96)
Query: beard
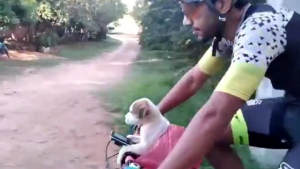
point(209, 36)
point(205, 40)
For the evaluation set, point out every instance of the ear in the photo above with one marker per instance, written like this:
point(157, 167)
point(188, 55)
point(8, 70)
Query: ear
point(224, 6)
point(143, 109)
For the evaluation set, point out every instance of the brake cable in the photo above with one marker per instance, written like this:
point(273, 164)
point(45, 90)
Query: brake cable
point(106, 156)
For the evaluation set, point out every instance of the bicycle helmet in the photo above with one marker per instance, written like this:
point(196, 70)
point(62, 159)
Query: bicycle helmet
point(239, 4)
point(210, 3)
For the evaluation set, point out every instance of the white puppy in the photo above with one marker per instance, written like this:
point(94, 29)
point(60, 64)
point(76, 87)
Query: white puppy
point(144, 113)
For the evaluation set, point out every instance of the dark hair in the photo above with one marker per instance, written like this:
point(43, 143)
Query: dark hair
point(239, 4)
point(2, 40)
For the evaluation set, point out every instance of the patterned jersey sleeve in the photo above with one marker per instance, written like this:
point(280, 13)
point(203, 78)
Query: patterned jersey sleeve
point(260, 39)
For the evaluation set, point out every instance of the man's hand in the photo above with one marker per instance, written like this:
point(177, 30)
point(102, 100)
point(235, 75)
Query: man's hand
point(204, 129)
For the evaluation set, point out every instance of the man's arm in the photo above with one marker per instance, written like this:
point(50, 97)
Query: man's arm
point(237, 86)
point(191, 82)
point(203, 131)
point(187, 86)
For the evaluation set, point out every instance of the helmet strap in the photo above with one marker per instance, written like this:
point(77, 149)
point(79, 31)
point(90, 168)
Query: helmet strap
point(215, 45)
point(222, 19)
point(218, 38)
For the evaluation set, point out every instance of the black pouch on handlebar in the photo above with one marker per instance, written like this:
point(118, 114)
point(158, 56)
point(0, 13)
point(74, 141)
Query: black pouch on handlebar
point(120, 140)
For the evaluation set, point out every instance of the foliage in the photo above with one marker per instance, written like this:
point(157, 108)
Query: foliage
point(16, 11)
point(90, 14)
point(50, 22)
point(94, 14)
point(162, 27)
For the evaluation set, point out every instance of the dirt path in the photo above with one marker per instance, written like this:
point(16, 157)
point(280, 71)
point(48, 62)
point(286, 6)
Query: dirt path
point(50, 119)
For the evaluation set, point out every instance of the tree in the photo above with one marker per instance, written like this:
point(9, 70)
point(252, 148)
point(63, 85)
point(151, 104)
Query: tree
point(161, 25)
point(77, 16)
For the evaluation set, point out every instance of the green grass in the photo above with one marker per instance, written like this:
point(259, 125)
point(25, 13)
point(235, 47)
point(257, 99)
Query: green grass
point(153, 80)
point(88, 50)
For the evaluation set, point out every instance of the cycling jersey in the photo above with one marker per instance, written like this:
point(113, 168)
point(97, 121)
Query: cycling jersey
point(266, 44)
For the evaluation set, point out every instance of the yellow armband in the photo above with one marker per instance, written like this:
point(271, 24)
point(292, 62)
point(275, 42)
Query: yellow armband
point(241, 80)
point(209, 64)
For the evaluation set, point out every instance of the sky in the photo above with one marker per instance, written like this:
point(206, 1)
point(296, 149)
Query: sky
point(127, 23)
point(129, 3)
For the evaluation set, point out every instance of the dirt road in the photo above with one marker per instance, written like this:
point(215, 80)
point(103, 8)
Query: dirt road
point(52, 119)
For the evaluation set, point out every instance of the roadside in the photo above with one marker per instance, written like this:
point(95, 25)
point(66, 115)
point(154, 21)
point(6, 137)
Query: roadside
point(24, 62)
point(87, 50)
point(51, 117)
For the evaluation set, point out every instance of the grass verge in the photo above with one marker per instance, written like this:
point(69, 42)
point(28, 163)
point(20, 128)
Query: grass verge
point(152, 76)
point(88, 50)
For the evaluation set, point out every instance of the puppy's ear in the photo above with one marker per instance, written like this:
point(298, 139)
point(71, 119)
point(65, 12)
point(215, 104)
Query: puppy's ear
point(143, 109)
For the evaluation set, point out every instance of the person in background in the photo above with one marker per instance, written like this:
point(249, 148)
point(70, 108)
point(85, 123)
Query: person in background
point(3, 48)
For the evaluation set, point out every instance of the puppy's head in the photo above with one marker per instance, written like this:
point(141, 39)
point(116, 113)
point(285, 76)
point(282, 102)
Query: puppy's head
point(138, 112)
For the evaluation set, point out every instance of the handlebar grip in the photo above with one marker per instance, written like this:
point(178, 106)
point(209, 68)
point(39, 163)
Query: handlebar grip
point(134, 156)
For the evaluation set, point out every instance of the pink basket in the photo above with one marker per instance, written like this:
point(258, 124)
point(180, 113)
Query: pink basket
point(162, 148)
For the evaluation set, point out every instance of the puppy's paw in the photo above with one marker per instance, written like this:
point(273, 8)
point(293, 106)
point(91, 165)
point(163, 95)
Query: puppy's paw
point(120, 155)
point(134, 138)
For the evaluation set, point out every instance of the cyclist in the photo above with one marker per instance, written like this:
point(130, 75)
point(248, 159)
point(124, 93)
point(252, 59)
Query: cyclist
point(3, 48)
point(259, 41)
